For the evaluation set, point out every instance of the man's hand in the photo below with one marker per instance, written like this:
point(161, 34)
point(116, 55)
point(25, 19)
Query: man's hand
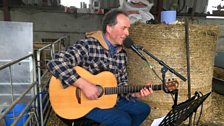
point(143, 92)
point(89, 90)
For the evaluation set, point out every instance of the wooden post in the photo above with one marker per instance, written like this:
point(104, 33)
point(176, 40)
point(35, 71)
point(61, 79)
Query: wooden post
point(6, 10)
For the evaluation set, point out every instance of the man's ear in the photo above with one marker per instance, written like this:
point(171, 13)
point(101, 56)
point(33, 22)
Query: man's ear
point(108, 29)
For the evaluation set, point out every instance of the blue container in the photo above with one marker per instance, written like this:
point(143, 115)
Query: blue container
point(168, 17)
point(12, 114)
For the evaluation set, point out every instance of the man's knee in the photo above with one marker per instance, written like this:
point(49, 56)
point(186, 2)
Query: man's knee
point(122, 120)
point(148, 109)
point(145, 110)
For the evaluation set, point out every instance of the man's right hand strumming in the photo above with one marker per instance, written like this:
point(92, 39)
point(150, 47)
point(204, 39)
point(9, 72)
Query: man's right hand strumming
point(90, 90)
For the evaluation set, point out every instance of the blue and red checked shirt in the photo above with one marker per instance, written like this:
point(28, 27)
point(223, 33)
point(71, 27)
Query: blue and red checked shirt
point(92, 54)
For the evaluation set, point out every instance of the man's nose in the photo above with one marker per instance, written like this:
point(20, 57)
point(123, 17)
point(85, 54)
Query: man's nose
point(126, 32)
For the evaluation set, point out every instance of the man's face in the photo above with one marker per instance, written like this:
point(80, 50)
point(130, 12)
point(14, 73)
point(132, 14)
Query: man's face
point(117, 33)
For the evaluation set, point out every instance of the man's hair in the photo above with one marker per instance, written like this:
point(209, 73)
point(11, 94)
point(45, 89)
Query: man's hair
point(110, 18)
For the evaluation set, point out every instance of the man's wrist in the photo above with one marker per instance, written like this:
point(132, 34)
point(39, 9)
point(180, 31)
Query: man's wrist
point(77, 83)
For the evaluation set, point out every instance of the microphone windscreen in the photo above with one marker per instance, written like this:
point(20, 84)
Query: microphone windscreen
point(128, 42)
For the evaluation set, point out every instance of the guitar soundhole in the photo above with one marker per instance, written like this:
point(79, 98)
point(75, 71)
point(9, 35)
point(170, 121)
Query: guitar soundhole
point(100, 89)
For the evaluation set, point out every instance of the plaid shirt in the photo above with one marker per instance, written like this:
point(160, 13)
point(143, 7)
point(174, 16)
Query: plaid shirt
point(92, 55)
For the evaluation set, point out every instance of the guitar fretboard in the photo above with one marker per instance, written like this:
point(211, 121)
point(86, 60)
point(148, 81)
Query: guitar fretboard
point(129, 89)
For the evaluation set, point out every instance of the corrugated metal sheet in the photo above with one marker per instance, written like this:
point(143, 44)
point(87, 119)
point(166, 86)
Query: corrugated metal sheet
point(108, 4)
point(201, 5)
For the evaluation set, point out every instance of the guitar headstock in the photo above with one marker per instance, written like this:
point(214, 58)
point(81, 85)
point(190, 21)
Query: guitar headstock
point(171, 85)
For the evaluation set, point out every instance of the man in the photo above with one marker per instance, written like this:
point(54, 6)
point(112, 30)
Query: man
point(103, 51)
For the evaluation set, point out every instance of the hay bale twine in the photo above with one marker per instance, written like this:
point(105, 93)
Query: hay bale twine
point(167, 42)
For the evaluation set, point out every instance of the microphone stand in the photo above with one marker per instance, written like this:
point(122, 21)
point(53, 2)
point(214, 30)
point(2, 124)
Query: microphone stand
point(164, 69)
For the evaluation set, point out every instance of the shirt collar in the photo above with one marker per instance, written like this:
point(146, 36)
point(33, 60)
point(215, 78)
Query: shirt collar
point(112, 49)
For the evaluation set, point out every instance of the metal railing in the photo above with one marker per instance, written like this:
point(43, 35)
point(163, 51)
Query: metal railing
point(31, 104)
point(43, 75)
point(39, 105)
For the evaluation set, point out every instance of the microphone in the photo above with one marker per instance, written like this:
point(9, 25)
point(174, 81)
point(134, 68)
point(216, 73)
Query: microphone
point(128, 43)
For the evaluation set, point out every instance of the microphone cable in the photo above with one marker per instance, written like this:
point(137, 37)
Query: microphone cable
point(149, 65)
point(173, 94)
point(153, 70)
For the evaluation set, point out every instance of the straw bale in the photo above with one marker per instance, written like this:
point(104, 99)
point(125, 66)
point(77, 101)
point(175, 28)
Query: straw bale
point(167, 43)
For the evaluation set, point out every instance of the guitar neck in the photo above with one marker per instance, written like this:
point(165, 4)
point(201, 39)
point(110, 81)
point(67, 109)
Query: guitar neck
point(129, 89)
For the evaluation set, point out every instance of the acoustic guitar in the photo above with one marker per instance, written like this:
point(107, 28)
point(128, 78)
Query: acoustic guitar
point(70, 102)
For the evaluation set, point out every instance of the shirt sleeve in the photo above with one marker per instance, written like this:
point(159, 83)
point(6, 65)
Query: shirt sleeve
point(63, 63)
point(123, 80)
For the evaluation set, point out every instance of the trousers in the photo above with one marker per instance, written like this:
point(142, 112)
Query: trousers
point(125, 113)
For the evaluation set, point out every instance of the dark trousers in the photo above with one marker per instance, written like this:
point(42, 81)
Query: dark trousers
point(79, 122)
point(125, 113)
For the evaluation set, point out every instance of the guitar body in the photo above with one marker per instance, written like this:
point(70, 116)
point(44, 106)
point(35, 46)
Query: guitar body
point(65, 103)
